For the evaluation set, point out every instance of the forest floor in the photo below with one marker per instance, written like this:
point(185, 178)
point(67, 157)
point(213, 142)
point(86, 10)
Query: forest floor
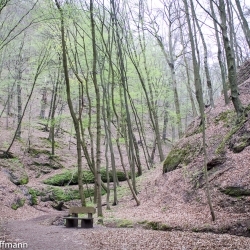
point(173, 213)
point(38, 235)
point(182, 224)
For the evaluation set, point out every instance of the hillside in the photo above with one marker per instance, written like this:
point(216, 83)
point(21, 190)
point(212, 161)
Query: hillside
point(172, 197)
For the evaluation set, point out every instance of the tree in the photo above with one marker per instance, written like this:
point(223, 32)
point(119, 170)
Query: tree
point(207, 71)
point(69, 100)
point(219, 54)
point(246, 29)
point(230, 61)
point(98, 113)
point(199, 96)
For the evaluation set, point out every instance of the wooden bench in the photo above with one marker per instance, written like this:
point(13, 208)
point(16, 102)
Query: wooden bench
point(72, 219)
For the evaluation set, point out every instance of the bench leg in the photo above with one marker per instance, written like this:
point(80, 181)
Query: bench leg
point(71, 222)
point(87, 223)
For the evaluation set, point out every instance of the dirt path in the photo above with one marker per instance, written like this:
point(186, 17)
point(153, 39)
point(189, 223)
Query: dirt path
point(38, 235)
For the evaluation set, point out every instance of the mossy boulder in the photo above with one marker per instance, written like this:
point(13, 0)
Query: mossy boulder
point(38, 151)
point(237, 138)
point(70, 177)
point(241, 139)
point(50, 164)
point(15, 170)
point(33, 196)
point(178, 156)
point(18, 203)
point(235, 191)
point(60, 194)
point(56, 194)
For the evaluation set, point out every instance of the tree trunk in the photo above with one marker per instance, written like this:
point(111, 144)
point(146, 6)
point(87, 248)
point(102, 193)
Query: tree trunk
point(75, 120)
point(19, 105)
point(98, 115)
point(246, 29)
point(209, 82)
point(219, 55)
point(230, 61)
point(199, 96)
point(43, 103)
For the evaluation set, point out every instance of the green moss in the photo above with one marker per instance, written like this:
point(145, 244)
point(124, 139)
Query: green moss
point(225, 117)
point(126, 224)
point(153, 225)
point(36, 151)
point(19, 203)
point(48, 143)
point(198, 130)
point(16, 171)
point(59, 194)
point(65, 178)
point(178, 156)
point(237, 148)
point(14, 206)
point(34, 193)
point(24, 180)
point(52, 164)
point(221, 148)
point(142, 222)
point(236, 191)
point(164, 227)
point(70, 177)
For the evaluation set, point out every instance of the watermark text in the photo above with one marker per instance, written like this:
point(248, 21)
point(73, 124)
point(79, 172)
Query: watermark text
point(13, 245)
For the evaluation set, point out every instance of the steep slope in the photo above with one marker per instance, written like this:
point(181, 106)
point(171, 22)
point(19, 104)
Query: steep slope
point(176, 199)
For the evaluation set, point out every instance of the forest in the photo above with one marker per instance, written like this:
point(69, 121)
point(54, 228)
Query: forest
point(99, 95)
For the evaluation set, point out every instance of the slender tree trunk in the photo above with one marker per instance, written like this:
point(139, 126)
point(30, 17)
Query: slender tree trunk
point(209, 82)
point(171, 64)
point(199, 96)
point(219, 55)
point(194, 110)
point(19, 105)
point(233, 40)
point(245, 25)
point(75, 120)
point(52, 126)
point(43, 103)
point(98, 115)
point(230, 61)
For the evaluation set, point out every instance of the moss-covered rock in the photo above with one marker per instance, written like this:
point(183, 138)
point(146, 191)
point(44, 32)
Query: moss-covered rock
point(15, 169)
point(178, 156)
point(38, 151)
point(155, 225)
point(126, 224)
point(235, 191)
point(60, 194)
point(51, 164)
point(57, 194)
point(241, 139)
point(70, 177)
point(33, 196)
point(18, 203)
point(228, 138)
